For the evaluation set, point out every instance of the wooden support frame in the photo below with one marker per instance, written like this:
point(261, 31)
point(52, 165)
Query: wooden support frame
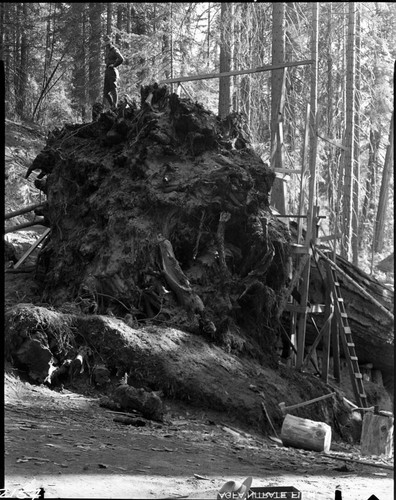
point(33, 247)
point(259, 69)
point(319, 336)
point(327, 336)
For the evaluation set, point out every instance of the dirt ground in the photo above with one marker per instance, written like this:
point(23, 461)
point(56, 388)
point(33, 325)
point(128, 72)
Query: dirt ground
point(69, 445)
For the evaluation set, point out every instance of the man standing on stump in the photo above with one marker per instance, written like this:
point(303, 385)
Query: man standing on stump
point(113, 58)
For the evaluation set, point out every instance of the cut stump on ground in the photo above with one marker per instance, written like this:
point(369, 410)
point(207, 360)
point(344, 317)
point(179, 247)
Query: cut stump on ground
point(307, 434)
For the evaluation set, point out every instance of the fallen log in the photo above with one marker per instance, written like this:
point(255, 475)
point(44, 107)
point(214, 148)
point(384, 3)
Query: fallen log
point(371, 321)
point(361, 289)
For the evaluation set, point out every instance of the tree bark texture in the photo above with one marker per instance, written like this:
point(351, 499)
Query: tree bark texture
point(377, 435)
point(384, 192)
point(95, 59)
point(109, 15)
point(356, 149)
point(225, 59)
point(278, 195)
point(349, 135)
point(372, 329)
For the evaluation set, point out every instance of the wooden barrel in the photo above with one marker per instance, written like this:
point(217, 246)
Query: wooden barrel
point(307, 434)
point(377, 435)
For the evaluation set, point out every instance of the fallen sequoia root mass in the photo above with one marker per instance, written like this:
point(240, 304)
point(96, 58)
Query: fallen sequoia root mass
point(165, 260)
point(161, 214)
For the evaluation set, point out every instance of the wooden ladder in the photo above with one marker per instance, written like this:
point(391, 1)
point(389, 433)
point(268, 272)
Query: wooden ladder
point(347, 340)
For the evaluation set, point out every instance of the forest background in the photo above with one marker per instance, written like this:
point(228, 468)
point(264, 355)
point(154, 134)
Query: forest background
point(53, 57)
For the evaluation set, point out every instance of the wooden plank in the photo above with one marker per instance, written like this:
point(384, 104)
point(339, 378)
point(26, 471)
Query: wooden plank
point(207, 76)
point(23, 210)
point(12, 229)
point(296, 309)
point(286, 171)
point(356, 461)
point(301, 249)
point(331, 237)
point(33, 247)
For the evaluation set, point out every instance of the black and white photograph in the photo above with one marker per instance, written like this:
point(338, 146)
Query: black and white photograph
point(198, 250)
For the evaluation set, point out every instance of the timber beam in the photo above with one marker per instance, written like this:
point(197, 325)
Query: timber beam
point(259, 69)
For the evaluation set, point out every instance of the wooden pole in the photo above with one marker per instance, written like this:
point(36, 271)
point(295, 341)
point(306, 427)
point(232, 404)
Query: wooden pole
point(36, 222)
point(326, 338)
point(23, 210)
point(33, 247)
point(286, 294)
point(361, 289)
point(303, 173)
point(311, 223)
point(335, 343)
point(207, 76)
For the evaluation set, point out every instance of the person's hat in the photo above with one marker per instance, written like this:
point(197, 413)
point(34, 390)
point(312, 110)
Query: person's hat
point(240, 489)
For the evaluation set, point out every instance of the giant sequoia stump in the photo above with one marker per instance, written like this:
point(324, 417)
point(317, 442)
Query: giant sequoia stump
point(377, 435)
point(161, 213)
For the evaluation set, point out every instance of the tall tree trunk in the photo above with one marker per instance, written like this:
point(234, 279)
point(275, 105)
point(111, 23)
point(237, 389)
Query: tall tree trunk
point(372, 167)
point(356, 150)
point(85, 72)
point(278, 194)
point(331, 167)
point(341, 114)
point(120, 9)
point(2, 30)
point(166, 48)
point(302, 320)
point(23, 70)
point(128, 24)
point(17, 49)
point(208, 38)
point(225, 60)
point(8, 41)
point(349, 136)
point(95, 60)
point(384, 190)
point(109, 16)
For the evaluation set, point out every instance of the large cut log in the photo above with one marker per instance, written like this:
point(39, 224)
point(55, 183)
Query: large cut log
point(377, 435)
point(372, 327)
point(307, 434)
